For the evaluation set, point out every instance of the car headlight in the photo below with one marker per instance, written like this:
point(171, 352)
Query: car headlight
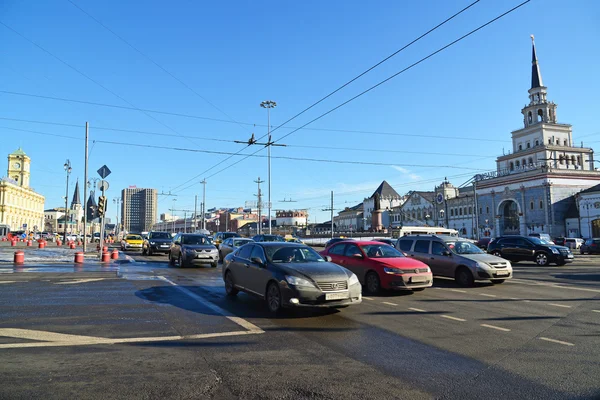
point(152, 243)
point(353, 280)
point(214, 250)
point(394, 271)
point(296, 281)
point(554, 250)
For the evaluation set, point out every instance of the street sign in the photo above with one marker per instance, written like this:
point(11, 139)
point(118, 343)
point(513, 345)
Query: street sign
point(104, 172)
point(24, 226)
point(103, 185)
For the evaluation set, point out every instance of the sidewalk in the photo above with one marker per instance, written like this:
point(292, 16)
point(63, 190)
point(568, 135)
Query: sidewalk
point(55, 255)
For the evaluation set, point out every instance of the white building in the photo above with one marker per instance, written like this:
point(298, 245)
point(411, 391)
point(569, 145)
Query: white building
point(417, 210)
point(588, 203)
point(291, 217)
point(350, 219)
point(389, 199)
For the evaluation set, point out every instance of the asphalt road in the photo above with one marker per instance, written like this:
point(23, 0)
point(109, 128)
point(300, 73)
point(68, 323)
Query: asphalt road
point(144, 330)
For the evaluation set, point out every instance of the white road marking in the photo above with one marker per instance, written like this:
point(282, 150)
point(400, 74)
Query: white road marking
point(514, 298)
point(58, 339)
point(8, 282)
point(595, 310)
point(495, 327)
point(416, 309)
point(487, 295)
point(389, 304)
point(558, 305)
point(556, 341)
point(458, 290)
point(76, 281)
point(555, 285)
point(453, 318)
point(240, 321)
point(368, 298)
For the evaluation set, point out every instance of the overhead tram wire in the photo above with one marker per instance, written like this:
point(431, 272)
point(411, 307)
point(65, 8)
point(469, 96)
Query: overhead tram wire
point(89, 78)
point(374, 66)
point(383, 81)
point(156, 64)
point(418, 135)
point(330, 94)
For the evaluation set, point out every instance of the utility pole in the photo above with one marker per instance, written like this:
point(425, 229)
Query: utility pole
point(195, 213)
point(85, 178)
point(203, 203)
point(259, 206)
point(68, 169)
point(331, 209)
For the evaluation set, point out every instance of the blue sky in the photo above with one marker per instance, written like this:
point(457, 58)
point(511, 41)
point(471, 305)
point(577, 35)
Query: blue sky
point(236, 54)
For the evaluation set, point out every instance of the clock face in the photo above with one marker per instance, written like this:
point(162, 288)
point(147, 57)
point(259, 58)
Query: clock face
point(440, 198)
point(17, 165)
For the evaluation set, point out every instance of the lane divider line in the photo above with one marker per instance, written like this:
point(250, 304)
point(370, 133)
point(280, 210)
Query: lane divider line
point(496, 327)
point(237, 320)
point(9, 282)
point(458, 290)
point(555, 285)
point(389, 304)
point(416, 309)
point(595, 310)
point(453, 318)
point(558, 305)
point(487, 295)
point(556, 341)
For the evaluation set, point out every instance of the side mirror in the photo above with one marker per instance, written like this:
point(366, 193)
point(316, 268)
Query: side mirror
point(257, 261)
point(328, 259)
point(446, 253)
point(357, 255)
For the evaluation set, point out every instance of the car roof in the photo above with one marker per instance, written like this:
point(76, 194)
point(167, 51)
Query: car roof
point(361, 242)
point(287, 244)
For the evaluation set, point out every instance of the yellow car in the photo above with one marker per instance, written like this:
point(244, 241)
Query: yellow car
point(132, 242)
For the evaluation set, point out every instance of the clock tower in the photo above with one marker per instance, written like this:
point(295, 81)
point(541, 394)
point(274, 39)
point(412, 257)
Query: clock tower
point(18, 168)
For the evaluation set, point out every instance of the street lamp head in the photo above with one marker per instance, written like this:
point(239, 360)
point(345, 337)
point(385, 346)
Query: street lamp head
point(268, 104)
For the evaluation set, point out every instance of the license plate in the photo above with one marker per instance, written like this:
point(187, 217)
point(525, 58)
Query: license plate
point(570, 256)
point(164, 245)
point(336, 296)
point(416, 279)
point(502, 273)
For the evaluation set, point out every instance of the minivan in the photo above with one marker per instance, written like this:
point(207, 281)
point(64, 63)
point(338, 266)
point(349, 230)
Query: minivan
point(453, 257)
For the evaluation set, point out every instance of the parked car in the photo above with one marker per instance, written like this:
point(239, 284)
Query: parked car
point(453, 257)
point(268, 238)
point(543, 236)
point(483, 243)
point(219, 237)
point(157, 242)
point(388, 241)
point(190, 249)
point(574, 243)
point(380, 266)
point(289, 275)
point(591, 246)
point(530, 248)
point(230, 245)
point(336, 240)
point(560, 241)
point(132, 242)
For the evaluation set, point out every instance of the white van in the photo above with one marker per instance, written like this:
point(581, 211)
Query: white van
point(574, 243)
point(426, 230)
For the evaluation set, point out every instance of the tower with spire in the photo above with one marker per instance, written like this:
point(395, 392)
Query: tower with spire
point(76, 208)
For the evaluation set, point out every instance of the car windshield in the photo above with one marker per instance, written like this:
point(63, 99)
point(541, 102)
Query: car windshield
point(292, 254)
point(381, 251)
point(539, 241)
point(194, 239)
point(461, 247)
point(133, 237)
point(273, 238)
point(240, 242)
point(160, 235)
point(227, 235)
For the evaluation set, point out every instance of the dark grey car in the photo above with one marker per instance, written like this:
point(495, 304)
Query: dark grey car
point(289, 275)
point(157, 242)
point(231, 244)
point(190, 249)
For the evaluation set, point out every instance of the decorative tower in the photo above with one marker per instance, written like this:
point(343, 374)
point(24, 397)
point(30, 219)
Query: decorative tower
point(18, 167)
point(76, 207)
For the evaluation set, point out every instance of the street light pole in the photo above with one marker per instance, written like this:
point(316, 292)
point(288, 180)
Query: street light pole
point(68, 169)
point(268, 104)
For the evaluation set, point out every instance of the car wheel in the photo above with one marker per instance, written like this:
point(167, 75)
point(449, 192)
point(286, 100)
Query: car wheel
point(498, 281)
point(230, 285)
point(180, 261)
point(541, 259)
point(372, 283)
point(581, 252)
point(214, 265)
point(150, 252)
point(496, 253)
point(171, 260)
point(273, 298)
point(464, 277)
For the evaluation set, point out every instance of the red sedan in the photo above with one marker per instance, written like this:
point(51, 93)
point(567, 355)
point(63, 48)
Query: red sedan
point(378, 265)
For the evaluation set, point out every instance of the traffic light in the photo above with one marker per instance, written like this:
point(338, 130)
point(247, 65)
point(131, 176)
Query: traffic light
point(101, 205)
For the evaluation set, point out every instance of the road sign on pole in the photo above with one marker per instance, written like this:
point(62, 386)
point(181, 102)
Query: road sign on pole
point(217, 222)
point(103, 185)
point(104, 171)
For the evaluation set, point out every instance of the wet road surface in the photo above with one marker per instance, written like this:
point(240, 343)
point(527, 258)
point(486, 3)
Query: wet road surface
point(144, 330)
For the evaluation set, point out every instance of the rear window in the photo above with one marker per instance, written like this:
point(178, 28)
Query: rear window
point(230, 234)
point(422, 246)
point(405, 244)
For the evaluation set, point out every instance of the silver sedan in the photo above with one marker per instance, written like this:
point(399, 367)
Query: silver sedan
point(231, 244)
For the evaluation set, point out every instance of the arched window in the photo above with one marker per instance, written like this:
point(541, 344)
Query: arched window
point(561, 159)
point(531, 205)
point(540, 115)
point(512, 166)
point(487, 209)
point(549, 141)
point(470, 210)
point(520, 147)
point(419, 214)
point(480, 210)
point(528, 145)
point(452, 212)
point(530, 161)
point(529, 117)
point(524, 163)
point(557, 142)
point(573, 160)
point(565, 143)
point(460, 211)
point(537, 142)
point(465, 212)
point(517, 164)
point(541, 204)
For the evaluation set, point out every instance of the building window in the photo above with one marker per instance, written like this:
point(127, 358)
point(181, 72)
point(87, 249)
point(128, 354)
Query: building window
point(517, 164)
point(561, 160)
point(512, 166)
point(557, 142)
point(531, 205)
point(549, 141)
point(530, 161)
point(520, 147)
point(460, 211)
point(565, 142)
point(573, 160)
point(470, 210)
point(480, 210)
point(528, 145)
point(540, 115)
point(541, 205)
point(524, 163)
point(452, 212)
point(578, 160)
point(537, 142)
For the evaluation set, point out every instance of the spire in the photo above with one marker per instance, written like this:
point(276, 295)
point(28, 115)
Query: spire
point(536, 76)
point(76, 195)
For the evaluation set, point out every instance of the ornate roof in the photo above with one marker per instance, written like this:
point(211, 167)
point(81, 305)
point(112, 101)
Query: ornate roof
point(18, 152)
point(385, 191)
point(536, 76)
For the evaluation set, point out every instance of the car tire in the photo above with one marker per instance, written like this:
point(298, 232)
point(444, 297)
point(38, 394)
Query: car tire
point(230, 285)
point(180, 262)
point(541, 259)
point(214, 265)
point(581, 252)
point(372, 283)
point(464, 277)
point(171, 260)
point(498, 281)
point(273, 297)
point(220, 257)
point(150, 253)
point(497, 253)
